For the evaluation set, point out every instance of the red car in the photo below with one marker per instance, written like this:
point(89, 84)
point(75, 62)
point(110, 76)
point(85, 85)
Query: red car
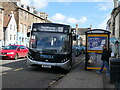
point(13, 52)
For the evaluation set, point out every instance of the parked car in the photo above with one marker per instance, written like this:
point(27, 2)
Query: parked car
point(1, 47)
point(82, 49)
point(76, 49)
point(13, 52)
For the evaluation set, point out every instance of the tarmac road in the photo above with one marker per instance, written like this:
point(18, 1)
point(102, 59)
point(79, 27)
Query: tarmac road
point(16, 74)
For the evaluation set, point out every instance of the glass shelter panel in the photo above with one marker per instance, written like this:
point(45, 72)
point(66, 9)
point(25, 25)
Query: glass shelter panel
point(95, 39)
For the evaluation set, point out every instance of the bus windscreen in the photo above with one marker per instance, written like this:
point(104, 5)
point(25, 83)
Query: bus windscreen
point(56, 42)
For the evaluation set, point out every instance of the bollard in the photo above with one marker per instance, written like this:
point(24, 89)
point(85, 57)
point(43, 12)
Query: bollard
point(117, 86)
point(115, 70)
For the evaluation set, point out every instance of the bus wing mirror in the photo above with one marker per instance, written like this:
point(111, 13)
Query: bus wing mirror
point(28, 34)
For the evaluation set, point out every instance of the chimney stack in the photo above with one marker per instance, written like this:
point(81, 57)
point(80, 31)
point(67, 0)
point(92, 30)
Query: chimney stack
point(76, 28)
point(115, 3)
point(1, 7)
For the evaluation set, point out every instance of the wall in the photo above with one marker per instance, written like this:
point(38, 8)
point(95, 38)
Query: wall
point(117, 26)
point(24, 23)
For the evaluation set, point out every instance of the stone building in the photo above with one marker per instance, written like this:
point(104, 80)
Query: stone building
point(115, 20)
point(113, 25)
point(10, 29)
point(81, 35)
point(24, 16)
point(1, 25)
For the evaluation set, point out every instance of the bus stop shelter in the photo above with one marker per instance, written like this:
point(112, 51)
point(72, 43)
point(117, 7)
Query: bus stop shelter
point(95, 39)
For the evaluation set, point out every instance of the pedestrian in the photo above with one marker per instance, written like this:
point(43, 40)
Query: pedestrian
point(105, 60)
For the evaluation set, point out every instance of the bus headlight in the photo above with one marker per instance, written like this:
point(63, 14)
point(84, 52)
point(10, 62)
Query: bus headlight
point(64, 60)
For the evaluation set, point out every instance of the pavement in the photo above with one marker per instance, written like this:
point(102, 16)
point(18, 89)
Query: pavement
point(81, 78)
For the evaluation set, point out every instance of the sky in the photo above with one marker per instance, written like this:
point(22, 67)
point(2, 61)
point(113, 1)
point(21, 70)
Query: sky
point(72, 12)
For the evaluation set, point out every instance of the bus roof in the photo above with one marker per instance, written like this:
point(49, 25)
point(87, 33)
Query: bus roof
point(52, 24)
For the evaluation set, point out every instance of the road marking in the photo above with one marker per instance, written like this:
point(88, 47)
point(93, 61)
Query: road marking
point(3, 73)
point(52, 82)
point(95, 68)
point(18, 69)
point(62, 75)
point(9, 61)
point(5, 69)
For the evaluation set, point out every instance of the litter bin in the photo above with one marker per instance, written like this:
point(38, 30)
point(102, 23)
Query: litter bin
point(115, 70)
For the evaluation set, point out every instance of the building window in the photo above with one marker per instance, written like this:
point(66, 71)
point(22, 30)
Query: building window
point(10, 26)
point(36, 20)
point(21, 12)
point(25, 39)
point(10, 37)
point(24, 28)
point(28, 17)
point(22, 39)
point(25, 15)
point(14, 37)
point(33, 19)
point(21, 27)
point(14, 27)
point(19, 38)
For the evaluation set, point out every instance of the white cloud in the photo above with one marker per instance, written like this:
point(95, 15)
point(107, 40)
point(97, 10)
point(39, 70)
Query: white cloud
point(65, 0)
point(83, 20)
point(105, 6)
point(26, 2)
point(99, 0)
point(80, 0)
point(38, 4)
point(72, 20)
point(60, 18)
point(104, 22)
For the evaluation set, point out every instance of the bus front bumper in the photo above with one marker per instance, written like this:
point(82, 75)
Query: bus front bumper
point(64, 65)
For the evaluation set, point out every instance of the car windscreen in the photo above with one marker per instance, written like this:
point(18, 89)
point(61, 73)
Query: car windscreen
point(50, 41)
point(10, 47)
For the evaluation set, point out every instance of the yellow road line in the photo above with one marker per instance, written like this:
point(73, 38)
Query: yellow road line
point(18, 69)
point(95, 68)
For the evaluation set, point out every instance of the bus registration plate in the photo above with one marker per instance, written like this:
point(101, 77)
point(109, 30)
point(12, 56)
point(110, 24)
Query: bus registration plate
point(46, 66)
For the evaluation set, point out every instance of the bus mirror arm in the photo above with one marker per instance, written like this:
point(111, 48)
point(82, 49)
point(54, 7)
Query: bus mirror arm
point(28, 34)
point(33, 45)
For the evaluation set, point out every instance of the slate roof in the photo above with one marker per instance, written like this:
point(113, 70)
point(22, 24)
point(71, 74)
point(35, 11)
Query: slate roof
point(6, 20)
point(82, 31)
